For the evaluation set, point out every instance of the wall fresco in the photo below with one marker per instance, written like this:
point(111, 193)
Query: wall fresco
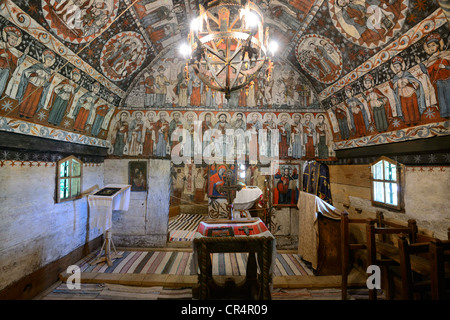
point(302, 135)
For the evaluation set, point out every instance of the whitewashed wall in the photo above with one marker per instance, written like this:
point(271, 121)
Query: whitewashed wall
point(145, 224)
point(34, 230)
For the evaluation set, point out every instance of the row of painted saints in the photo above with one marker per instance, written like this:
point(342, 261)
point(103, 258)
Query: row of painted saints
point(412, 96)
point(286, 136)
point(41, 93)
point(166, 85)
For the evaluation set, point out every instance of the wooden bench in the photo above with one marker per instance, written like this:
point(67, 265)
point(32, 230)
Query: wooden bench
point(346, 246)
point(423, 268)
point(382, 253)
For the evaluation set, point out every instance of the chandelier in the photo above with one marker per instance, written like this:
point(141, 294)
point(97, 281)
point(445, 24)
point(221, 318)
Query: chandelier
point(228, 45)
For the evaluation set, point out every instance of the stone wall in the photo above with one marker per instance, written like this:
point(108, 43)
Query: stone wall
point(34, 230)
point(146, 221)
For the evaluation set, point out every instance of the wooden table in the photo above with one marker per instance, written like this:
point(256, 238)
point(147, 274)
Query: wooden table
point(254, 286)
point(260, 248)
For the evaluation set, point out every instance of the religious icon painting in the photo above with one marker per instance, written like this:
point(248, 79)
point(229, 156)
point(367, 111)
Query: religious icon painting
point(319, 57)
point(368, 23)
point(78, 21)
point(122, 55)
point(137, 175)
point(217, 179)
point(286, 185)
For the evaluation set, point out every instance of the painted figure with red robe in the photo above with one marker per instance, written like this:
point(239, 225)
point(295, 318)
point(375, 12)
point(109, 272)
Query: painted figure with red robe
point(359, 119)
point(286, 187)
point(12, 37)
point(34, 85)
point(84, 108)
point(284, 130)
point(195, 88)
point(309, 137)
point(149, 133)
point(437, 67)
point(216, 180)
point(408, 92)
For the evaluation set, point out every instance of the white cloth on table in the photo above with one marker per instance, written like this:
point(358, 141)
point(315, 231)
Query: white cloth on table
point(245, 198)
point(101, 207)
point(309, 206)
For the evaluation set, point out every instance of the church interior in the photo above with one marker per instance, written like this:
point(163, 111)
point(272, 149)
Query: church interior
point(224, 149)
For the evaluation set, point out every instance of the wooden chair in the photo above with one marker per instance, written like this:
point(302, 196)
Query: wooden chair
point(423, 268)
point(440, 270)
point(346, 246)
point(382, 253)
point(414, 256)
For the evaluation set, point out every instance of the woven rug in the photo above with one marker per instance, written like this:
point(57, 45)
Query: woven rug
point(179, 263)
point(183, 226)
point(108, 291)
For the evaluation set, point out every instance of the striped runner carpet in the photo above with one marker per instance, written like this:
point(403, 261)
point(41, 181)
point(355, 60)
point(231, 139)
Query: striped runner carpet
point(183, 226)
point(179, 263)
point(110, 291)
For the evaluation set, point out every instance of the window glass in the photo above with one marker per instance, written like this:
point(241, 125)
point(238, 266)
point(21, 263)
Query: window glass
point(378, 191)
point(64, 188)
point(75, 187)
point(389, 171)
point(377, 170)
point(69, 172)
point(391, 193)
point(76, 168)
point(386, 183)
point(64, 169)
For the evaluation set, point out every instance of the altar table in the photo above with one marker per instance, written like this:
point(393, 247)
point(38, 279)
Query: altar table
point(239, 235)
point(101, 206)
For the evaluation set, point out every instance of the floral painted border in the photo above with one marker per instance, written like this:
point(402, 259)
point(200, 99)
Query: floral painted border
point(419, 132)
point(33, 129)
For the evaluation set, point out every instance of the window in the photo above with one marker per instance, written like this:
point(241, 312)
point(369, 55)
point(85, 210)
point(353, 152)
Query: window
point(68, 184)
point(386, 186)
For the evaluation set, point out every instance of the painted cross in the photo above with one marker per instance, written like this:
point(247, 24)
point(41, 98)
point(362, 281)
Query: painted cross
point(246, 230)
point(228, 188)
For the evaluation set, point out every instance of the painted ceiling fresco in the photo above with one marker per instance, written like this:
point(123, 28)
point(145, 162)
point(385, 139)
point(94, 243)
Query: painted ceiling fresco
point(345, 33)
point(92, 55)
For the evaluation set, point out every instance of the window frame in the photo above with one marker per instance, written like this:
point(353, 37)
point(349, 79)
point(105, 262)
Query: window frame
point(69, 177)
point(398, 180)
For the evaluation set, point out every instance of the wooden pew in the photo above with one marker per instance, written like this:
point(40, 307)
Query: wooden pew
point(440, 270)
point(423, 268)
point(346, 246)
point(412, 258)
point(389, 254)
